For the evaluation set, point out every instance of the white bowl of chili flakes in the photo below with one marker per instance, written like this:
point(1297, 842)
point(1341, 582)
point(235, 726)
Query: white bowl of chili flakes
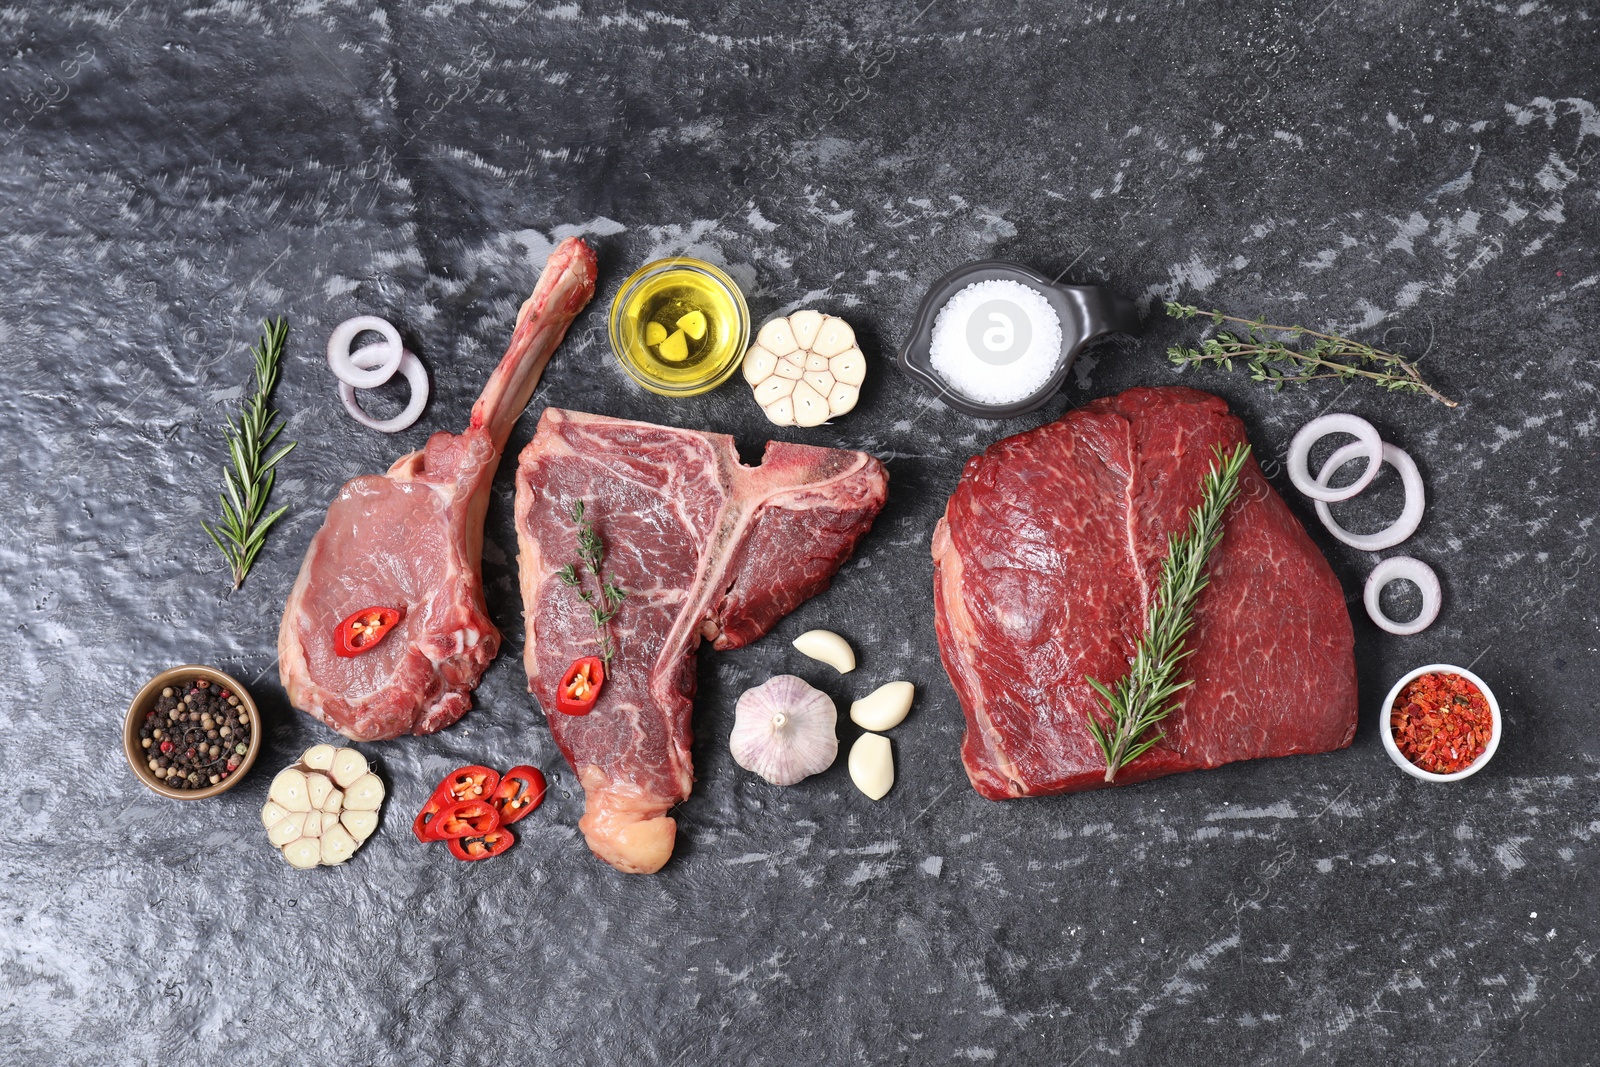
point(1440, 723)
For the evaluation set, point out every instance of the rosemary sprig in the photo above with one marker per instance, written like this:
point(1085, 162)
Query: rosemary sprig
point(603, 606)
point(1144, 695)
point(243, 528)
point(1328, 355)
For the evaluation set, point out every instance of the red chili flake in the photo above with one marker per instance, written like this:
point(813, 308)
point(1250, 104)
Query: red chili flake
point(1441, 722)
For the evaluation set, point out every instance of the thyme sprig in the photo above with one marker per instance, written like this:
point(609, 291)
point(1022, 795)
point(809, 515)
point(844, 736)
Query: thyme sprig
point(604, 604)
point(242, 530)
point(1145, 694)
point(1270, 360)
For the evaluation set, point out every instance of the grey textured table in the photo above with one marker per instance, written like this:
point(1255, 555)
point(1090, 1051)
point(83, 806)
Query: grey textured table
point(170, 174)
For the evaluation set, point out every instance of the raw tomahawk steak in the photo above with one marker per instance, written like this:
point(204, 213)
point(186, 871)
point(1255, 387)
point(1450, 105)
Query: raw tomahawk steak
point(1046, 561)
point(706, 548)
point(413, 539)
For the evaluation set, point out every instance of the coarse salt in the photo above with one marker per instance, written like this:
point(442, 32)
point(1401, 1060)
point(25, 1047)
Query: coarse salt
point(996, 342)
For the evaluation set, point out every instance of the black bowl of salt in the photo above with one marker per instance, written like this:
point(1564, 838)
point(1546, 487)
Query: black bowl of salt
point(996, 339)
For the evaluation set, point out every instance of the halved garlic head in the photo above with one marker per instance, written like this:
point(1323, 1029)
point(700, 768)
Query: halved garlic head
point(805, 369)
point(784, 730)
point(312, 821)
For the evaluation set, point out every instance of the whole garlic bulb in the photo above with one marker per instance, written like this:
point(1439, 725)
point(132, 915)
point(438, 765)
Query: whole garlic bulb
point(784, 730)
point(805, 368)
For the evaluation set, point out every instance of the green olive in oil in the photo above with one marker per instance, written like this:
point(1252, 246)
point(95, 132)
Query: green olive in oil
point(679, 327)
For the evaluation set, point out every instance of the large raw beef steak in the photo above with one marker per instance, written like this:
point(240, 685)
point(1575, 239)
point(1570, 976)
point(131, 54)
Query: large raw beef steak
point(1045, 564)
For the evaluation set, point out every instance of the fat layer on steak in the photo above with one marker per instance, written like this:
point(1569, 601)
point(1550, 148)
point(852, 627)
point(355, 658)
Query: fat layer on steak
point(412, 538)
point(1046, 562)
point(707, 549)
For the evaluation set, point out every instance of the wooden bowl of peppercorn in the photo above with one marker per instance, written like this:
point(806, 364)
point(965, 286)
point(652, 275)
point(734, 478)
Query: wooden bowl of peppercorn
point(175, 723)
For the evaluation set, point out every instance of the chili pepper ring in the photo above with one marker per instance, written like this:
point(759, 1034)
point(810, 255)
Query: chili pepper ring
point(383, 359)
point(1410, 569)
point(1397, 531)
point(1368, 443)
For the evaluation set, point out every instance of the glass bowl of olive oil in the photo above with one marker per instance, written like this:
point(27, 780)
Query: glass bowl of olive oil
point(679, 326)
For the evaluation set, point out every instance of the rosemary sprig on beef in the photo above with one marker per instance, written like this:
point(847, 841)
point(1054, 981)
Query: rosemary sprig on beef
point(1145, 695)
point(242, 530)
point(604, 604)
point(1270, 360)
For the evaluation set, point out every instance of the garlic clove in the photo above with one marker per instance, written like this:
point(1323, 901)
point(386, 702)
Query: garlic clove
point(827, 647)
point(304, 853)
point(821, 381)
point(365, 793)
point(318, 757)
point(359, 823)
point(675, 349)
point(693, 324)
point(810, 406)
point(272, 813)
point(784, 730)
point(759, 365)
point(772, 389)
point(781, 412)
point(776, 337)
point(805, 325)
point(884, 708)
point(815, 362)
point(872, 765)
point(791, 369)
point(337, 846)
point(318, 786)
point(843, 399)
point(289, 790)
point(849, 367)
point(288, 828)
point(348, 765)
point(834, 337)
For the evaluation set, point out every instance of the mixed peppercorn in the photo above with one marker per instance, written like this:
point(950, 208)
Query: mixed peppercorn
point(196, 735)
point(1441, 722)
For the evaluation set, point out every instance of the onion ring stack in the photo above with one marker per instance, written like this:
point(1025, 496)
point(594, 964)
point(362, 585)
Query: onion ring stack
point(373, 365)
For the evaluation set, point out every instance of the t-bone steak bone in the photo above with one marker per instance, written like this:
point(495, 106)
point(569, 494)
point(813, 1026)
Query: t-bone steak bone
point(706, 548)
point(1046, 562)
point(413, 539)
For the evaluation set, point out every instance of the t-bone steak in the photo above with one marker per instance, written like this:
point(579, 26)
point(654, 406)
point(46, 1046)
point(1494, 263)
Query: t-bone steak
point(413, 539)
point(705, 549)
point(1046, 562)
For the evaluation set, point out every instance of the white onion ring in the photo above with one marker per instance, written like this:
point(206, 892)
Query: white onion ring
point(1397, 531)
point(1314, 431)
point(1395, 569)
point(415, 373)
point(380, 367)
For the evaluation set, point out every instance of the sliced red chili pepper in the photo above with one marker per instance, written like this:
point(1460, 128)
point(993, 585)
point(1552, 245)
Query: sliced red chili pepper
point(481, 846)
point(521, 790)
point(464, 818)
point(430, 811)
point(471, 782)
point(364, 630)
point(580, 686)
